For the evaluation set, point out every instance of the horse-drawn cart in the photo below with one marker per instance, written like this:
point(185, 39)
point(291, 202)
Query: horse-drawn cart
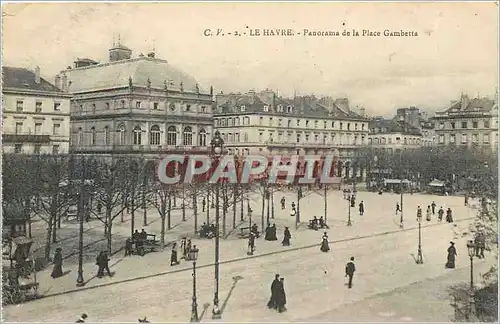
point(18, 271)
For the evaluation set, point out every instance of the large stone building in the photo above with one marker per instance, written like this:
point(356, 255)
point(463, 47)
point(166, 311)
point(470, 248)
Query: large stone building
point(265, 123)
point(471, 122)
point(418, 120)
point(140, 105)
point(36, 118)
point(393, 136)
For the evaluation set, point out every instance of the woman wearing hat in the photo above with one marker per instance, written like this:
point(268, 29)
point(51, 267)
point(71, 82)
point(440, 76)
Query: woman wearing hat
point(58, 259)
point(452, 252)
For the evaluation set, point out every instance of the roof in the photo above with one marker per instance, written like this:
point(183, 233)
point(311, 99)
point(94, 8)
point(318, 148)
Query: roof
point(117, 74)
point(24, 79)
point(255, 102)
point(471, 105)
point(387, 126)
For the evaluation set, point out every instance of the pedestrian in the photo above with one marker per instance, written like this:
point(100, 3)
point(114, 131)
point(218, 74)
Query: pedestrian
point(203, 204)
point(183, 247)
point(293, 205)
point(350, 268)
point(440, 214)
point(419, 213)
point(251, 243)
point(479, 241)
point(283, 203)
point(428, 214)
point(58, 261)
point(188, 248)
point(293, 212)
point(398, 208)
point(173, 255)
point(353, 201)
point(128, 247)
point(286, 237)
point(324, 243)
point(449, 217)
point(466, 200)
point(281, 296)
point(99, 208)
point(361, 208)
point(272, 303)
point(433, 206)
point(82, 318)
point(102, 262)
point(452, 252)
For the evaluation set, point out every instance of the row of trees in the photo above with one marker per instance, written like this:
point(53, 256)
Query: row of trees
point(48, 186)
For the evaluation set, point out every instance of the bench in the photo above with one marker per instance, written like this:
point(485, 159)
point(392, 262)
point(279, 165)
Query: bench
point(318, 226)
point(243, 231)
point(71, 216)
point(148, 245)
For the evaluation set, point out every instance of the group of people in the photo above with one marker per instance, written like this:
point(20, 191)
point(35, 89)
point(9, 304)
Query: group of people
point(208, 231)
point(278, 295)
point(431, 210)
point(270, 235)
point(186, 246)
point(138, 239)
point(316, 223)
point(102, 262)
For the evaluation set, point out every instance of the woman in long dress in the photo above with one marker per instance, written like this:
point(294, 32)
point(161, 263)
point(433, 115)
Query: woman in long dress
point(281, 296)
point(58, 260)
point(324, 243)
point(452, 252)
point(286, 237)
point(173, 255)
point(428, 214)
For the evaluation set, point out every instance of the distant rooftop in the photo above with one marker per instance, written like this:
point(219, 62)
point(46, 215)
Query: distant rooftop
point(24, 79)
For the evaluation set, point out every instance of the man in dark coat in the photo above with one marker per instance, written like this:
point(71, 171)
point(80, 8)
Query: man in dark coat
point(102, 262)
point(203, 204)
point(449, 217)
point(440, 213)
point(272, 301)
point(350, 268)
point(361, 208)
point(433, 206)
point(251, 244)
point(286, 237)
point(283, 203)
point(281, 296)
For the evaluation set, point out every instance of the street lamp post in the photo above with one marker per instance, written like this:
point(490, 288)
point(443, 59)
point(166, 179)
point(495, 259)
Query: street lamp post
point(217, 145)
point(401, 189)
point(193, 255)
point(81, 214)
point(471, 247)
point(349, 213)
point(420, 259)
point(297, 212)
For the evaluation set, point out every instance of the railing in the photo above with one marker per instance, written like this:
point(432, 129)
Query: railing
point(26, 138)
point(141, 148)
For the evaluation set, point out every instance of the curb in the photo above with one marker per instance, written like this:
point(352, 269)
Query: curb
point(241, 259)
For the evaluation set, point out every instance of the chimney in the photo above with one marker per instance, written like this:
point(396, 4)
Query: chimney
point(362, 111)
point(58, 81)
point(151, 54)
point(464, 101)
point(37, 75)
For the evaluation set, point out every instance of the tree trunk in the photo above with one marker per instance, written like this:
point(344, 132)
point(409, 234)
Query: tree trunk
point(169, 209)
point(183, 204)
point(27, 215)
point(109, 237)
point(48, 240)
point(241, 204)
point(235, 193)
point(163, 212)
point(54, 232)
point(132, 213)
point(207, 206)
point(144, 209)
point(224, 210)
point(53, 217)
point(263, 208)
point(195, 211)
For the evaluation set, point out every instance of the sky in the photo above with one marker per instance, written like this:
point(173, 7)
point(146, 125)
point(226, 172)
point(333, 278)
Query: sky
point(456, 49)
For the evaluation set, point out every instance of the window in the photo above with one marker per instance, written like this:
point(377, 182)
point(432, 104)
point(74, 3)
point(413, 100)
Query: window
point(341, 124)
point(121, 135)
point(138, 104)
point(486, 124)
point(137, 135)
point(298, 138)
point(298, 122)
point(80, 108)
point(18, 148)
point(316, 138)
point(464, 124)
point(154, 135)
point(93, 136)
point(94, 108)
point(243, 108)
point(475, 138)
point(279, 122)
point(202, 138)
point(289, 109)
point(155, 105)
point(38, 128)
point(80, 136)
point(452, 139)
point(486, 138)
point(38, 106)
point(187, 136)
point(307, 138)
point(324, 124)
point(237, 137)
point(122, 104)
point(107, 106)
point(55, 129)
point(106, 135)
point(188, 107)
point(19, 127)
point(19, 105)
point(245, 137)
point(237, 121)
point(38, 148)
point(246, 120)
point(203, 109)
point(441, 125)
point(307, 123)
point(289, 123)
point(172, 135)
point(452, 125)
point(362, 126)
point(266, 108)
point(389, 140)
point(271, 121)
point(57, 106)
point(464, 138)
point(229, 122)
point(55, 149)
point(348, 126)
point(474, 124)
point(261, 137)
point(261, 120)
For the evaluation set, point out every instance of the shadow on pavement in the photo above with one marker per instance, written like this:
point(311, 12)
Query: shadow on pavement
point(235, 282)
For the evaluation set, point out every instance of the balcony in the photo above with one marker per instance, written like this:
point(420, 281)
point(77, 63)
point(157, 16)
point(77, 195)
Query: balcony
point(26, 138)
point(141, 149)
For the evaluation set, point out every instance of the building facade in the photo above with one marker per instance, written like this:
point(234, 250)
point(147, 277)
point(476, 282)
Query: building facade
point(393, 136)
point(469, 122)
point(265, 123)
point(139, 106)
point(36, 114)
